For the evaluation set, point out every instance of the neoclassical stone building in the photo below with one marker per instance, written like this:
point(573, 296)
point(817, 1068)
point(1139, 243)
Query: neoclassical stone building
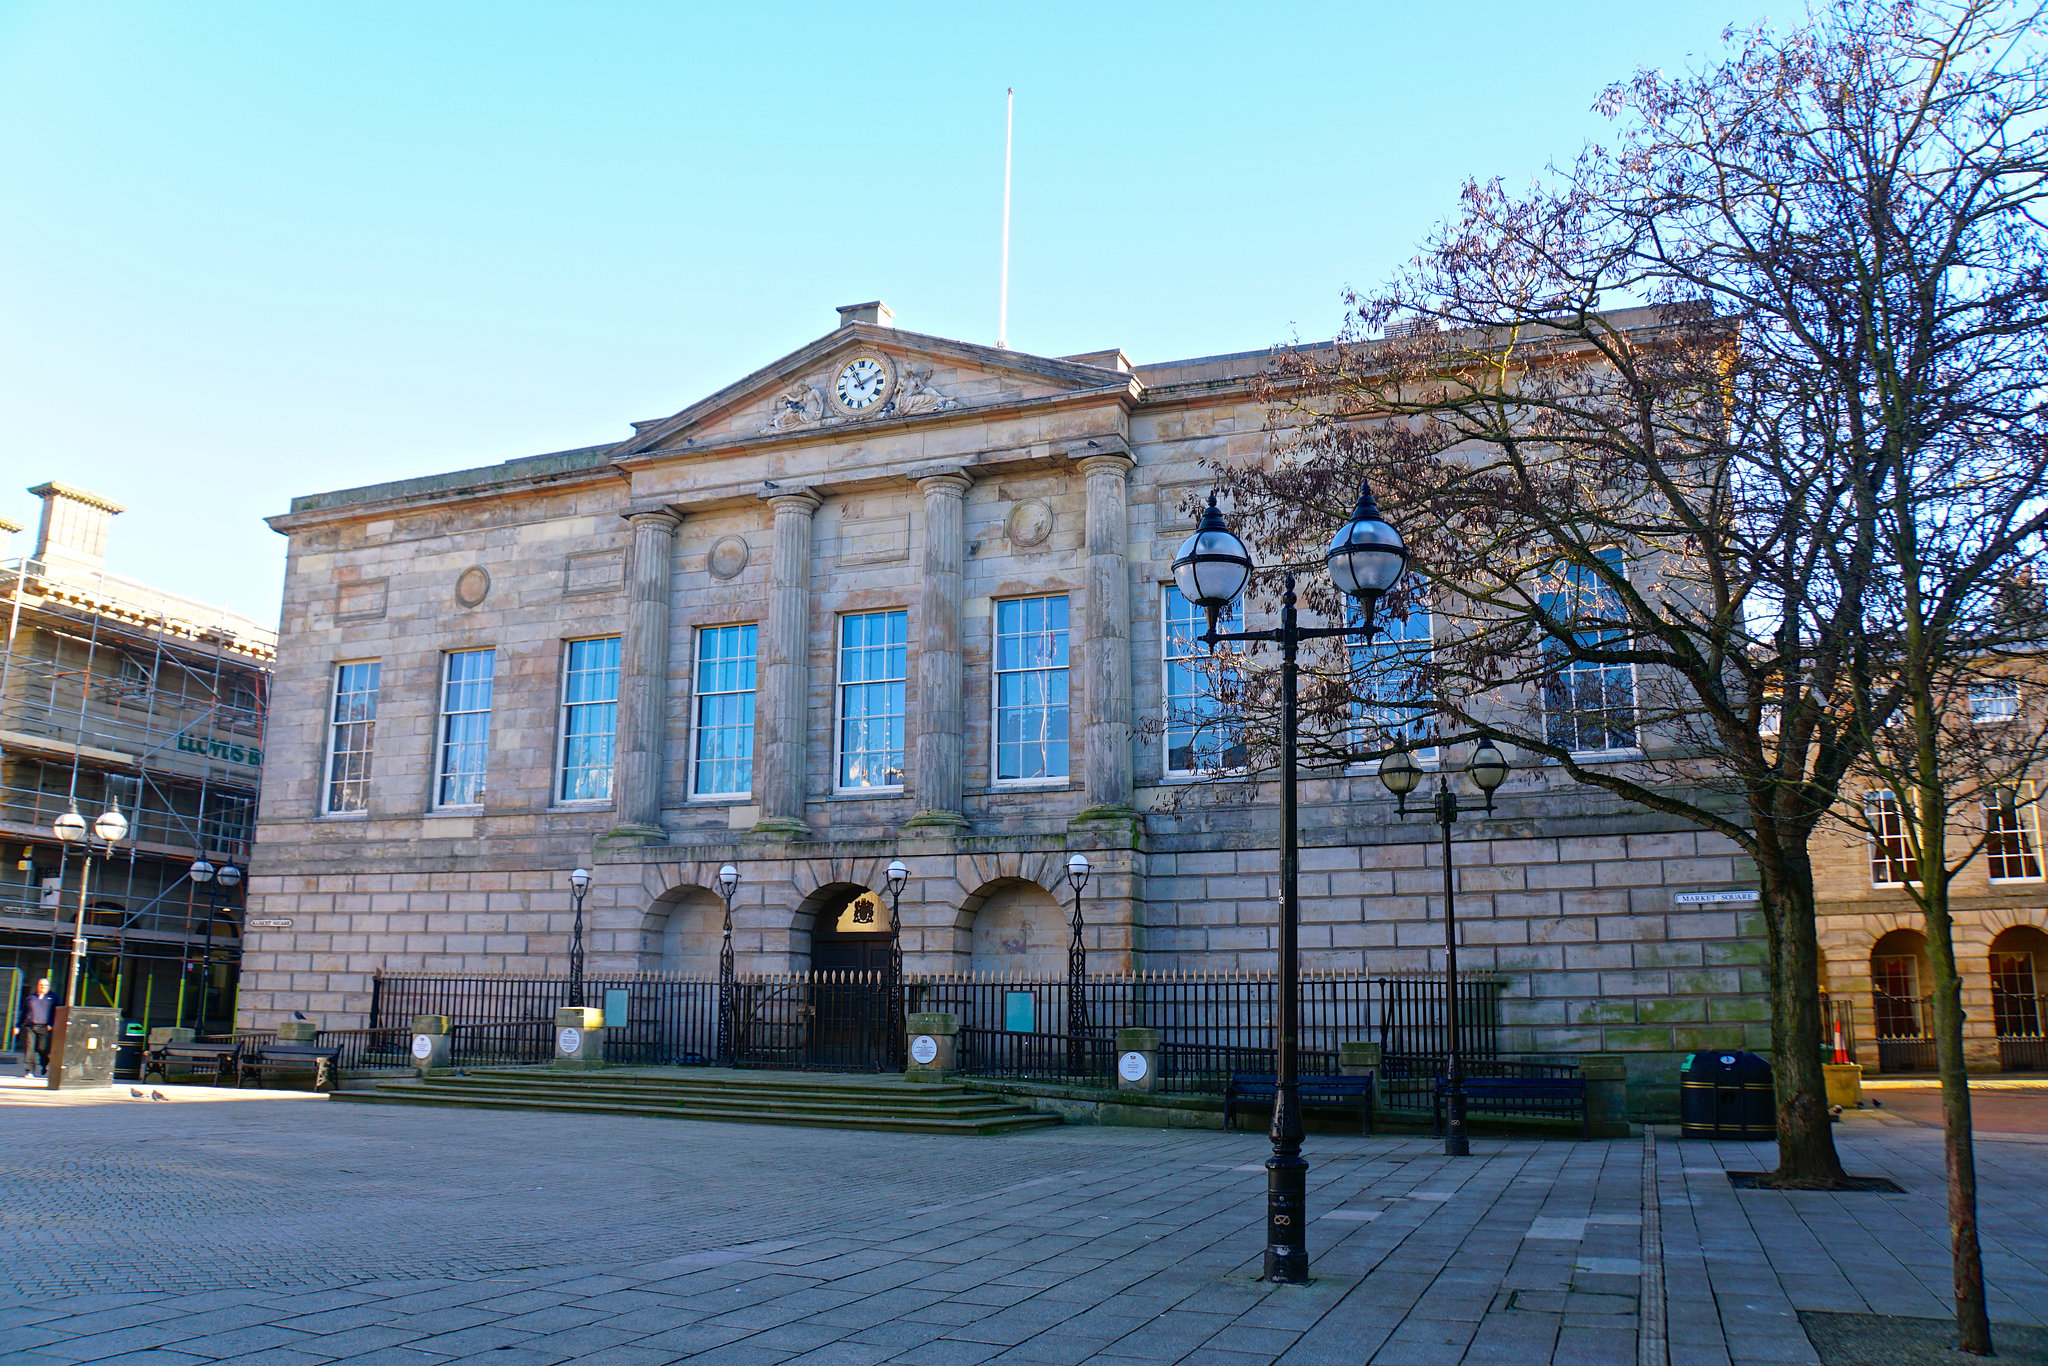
point(890, 596)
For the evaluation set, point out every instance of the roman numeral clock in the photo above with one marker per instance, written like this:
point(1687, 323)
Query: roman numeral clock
point(863, 385)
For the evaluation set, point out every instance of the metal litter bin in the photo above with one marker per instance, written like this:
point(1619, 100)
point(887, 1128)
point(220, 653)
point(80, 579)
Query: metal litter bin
point(1726, 1095)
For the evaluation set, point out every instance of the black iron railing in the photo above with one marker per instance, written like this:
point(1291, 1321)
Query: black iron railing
point(1210, 1024)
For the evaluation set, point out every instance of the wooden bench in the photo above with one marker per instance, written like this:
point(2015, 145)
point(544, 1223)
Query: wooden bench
point(221, 1060)
point(1517, 1095)
point(1255, 1086)
point(321, 1059)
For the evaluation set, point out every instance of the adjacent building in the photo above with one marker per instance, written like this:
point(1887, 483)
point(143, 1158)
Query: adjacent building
point(116, 695)
point(889, 596)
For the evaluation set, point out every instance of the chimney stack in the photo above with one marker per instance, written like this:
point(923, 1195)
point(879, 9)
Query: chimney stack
point(74, 530)
point(874, 311)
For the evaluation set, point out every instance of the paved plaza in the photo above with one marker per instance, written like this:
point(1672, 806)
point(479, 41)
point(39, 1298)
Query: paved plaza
point(274, 1230)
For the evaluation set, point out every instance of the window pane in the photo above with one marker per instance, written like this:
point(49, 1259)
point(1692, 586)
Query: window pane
point(1890, 862)
point(590, 719)
point(465, 726)
point(726, 664)
point(1197, 732)
point(352, 734)
point(1589, 707)
point(873, 663)
point(1388, 682)
point(2011, 847)
point(1031, 688)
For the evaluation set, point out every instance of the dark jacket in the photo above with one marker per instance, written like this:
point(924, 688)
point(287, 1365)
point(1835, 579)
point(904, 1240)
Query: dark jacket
point(39, 1010)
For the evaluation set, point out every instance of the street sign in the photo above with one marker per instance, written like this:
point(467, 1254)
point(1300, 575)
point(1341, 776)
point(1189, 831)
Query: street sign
point(1714, 898)
point(270, 924)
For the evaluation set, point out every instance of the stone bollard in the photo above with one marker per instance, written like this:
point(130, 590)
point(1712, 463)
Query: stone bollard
point(1606, 1078)
point(433, 1042)
point(1355, 1058)
point(579, 1037)
point(933, 1045)
point(1137, 1060)
point(298, 1031)
point(1844, 1083)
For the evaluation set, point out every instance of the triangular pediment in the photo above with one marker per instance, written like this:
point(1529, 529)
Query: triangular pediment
point(920, 377)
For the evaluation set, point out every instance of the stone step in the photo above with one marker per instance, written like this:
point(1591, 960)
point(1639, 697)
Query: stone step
point(847, 1104)
point(1013, 1120)
point(731, 1084)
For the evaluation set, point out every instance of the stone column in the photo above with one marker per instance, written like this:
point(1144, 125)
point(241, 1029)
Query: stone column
point(782, 739)
point(938, 758)
point(1107, 697)
point(643, 677)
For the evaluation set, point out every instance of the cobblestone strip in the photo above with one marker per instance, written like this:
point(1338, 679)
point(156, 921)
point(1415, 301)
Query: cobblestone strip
point(1652, 1347)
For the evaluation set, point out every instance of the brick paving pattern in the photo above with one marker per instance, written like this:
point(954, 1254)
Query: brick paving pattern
point(265, 1233)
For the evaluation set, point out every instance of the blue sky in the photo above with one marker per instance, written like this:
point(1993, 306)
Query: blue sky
point(252, 251)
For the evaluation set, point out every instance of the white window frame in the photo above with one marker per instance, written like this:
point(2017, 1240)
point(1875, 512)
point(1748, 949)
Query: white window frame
point(839, 687)
point(1364, 730)
point(1635, 692)
point(327, 757)
point(995, 710)
point(697, 696)
point(1872, 801)
point(563, 708)
point(441, 723)
point(1229, 620)
point(2028, 815)
point(2004, 694)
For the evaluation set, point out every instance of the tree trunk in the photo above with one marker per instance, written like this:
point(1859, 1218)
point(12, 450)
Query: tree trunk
point(1973, 1320)
point(1806, 1140)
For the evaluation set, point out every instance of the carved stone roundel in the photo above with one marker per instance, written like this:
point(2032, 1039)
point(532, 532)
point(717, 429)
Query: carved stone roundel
point(1030, 522)
point(473, 586)
point(728, 557)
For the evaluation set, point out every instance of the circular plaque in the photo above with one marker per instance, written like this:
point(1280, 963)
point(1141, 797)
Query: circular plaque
point(569, 1040)
point(422, 1047)
point(1131, 1067)
point(1029, 523)
point(473, 587)
point(924, 1050)
point(727, 558)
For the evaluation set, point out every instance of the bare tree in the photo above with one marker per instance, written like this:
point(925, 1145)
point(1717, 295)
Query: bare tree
point(1659, 530)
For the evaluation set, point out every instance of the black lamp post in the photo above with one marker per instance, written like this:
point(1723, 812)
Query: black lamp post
point(1488, 770)
point(107, 831)
point(217, 883)
point(897, 878)
point(579, 883)
point(728, 886)
point(1077, 974)
point(1365, 559)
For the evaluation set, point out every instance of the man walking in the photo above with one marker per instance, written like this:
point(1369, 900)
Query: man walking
point(38, 1013)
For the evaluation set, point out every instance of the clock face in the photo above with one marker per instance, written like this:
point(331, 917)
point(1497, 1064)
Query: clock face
point(861, 384)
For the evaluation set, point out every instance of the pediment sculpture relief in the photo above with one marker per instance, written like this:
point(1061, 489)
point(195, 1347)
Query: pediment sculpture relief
point(800, 405)
point(919, 396)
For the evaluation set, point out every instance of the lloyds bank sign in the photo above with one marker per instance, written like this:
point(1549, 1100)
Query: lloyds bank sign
point(220, 749)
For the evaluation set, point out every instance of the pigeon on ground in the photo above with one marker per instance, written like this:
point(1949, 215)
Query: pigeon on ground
point(135, 1093)
point(158, 1095)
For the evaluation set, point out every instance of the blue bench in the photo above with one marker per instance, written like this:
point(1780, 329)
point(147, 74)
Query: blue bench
point(1245, 1087)
point(1518, 1095)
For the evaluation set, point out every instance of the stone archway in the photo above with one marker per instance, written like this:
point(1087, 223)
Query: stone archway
point(2019, 997)
point(1018, 929)
point(1901, 1014)
point(850, 928)
point(682, 932)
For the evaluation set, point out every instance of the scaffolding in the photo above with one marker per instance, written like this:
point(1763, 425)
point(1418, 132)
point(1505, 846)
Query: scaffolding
point(113, 693)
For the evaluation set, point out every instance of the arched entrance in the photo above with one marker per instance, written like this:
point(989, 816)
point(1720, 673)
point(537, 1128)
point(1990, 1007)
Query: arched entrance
point(1019, 931)
point(855, 986)
point(1901, 1010)
point(2019, 972)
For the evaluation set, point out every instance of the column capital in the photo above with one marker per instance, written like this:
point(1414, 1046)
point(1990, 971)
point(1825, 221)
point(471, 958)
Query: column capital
point(654, 516)
point(804, 500)
point(1103, 462)
point(944, 481)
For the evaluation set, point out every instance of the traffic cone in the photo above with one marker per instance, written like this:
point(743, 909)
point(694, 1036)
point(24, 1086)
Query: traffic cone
point(1841, 1053)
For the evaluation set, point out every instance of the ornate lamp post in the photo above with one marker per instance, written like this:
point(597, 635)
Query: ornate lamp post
point(728, 887)
point(1365, 559)
point(896, 879)
point(1077, 974)
point(109, 830)
point(579, 883)
point(218, 884)
point(1488, 770)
